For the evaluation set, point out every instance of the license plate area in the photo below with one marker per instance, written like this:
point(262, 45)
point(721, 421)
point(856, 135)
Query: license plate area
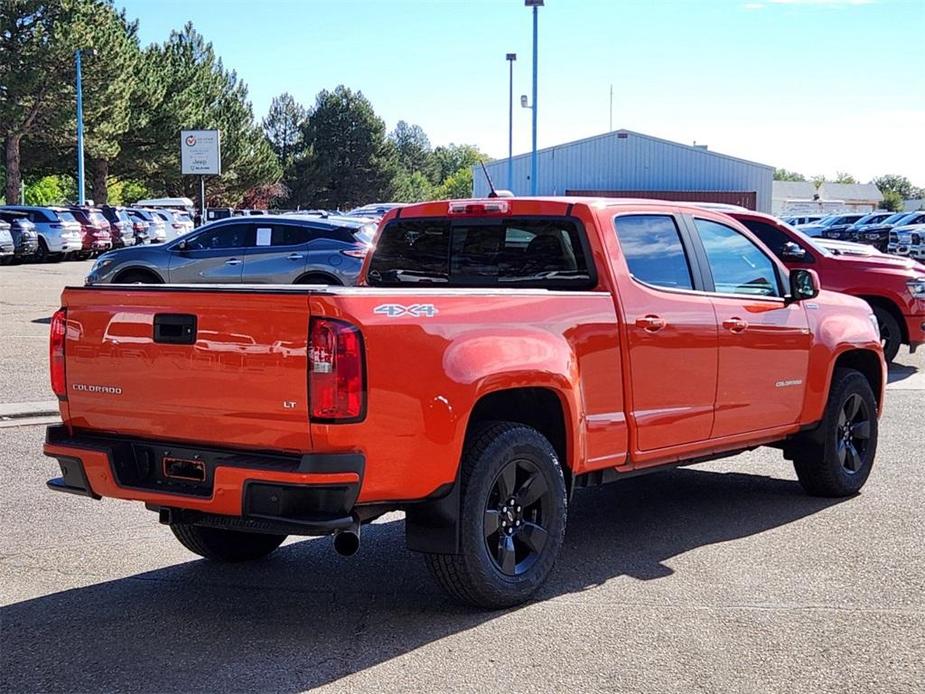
point(182, 469)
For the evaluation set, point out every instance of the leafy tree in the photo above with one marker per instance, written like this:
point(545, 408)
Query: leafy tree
point(49, 190)
point(447, 160)
point(37, 40)
point(892, 201)
point(843, 177)
point(457, 185)
point(190, 89)
point(347, 159)
point(900, 185)
point(412, 145)
point(785, 175)
point(283, 127)
point(412, 187)
point(818, 180)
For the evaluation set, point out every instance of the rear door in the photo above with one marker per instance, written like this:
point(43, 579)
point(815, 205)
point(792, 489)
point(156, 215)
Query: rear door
point(671, 333)
point(214, 255)
point(763, 340)
point(277, 253)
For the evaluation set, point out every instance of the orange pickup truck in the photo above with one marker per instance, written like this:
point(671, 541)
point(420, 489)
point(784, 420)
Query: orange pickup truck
point(501, 354)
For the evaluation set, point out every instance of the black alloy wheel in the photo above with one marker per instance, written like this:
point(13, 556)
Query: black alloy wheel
point(517, 508)
point(853, 432)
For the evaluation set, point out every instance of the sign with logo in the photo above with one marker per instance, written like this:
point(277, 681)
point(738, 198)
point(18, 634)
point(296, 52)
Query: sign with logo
point(200, 152)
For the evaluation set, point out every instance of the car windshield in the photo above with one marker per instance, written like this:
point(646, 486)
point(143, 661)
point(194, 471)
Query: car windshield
point(96, 218)
point(893, 218)
point(65, 216)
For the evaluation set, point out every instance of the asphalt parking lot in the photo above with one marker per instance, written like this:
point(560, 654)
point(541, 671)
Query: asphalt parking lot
point(722, 577)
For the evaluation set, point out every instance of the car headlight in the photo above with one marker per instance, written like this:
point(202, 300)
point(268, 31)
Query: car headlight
point(917, 287)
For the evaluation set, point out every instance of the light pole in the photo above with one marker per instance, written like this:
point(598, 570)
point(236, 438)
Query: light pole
point(536, 5)
point(511, 57)
point(81, 187)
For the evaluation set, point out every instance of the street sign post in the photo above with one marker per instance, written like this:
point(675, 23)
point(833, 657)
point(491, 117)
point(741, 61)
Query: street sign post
point(201, 155)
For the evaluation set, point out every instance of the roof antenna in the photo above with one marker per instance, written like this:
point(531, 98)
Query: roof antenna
point(491, 186)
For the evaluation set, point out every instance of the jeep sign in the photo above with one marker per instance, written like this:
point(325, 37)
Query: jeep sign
point(200, 152)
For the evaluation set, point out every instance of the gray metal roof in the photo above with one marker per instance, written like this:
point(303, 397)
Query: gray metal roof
point(622, 131)
point(793, 190)
point(867, 192)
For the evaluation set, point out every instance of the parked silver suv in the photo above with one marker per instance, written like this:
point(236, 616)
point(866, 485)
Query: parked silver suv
point(270, 249)
point(59, 233)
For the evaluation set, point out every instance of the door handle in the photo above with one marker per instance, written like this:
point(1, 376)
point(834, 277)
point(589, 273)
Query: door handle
point(735, 324)
point(232, 261)
point(296, 256)
point(650, 323)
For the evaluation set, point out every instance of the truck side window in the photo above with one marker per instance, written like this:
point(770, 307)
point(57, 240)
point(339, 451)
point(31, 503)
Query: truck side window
point(653, 250)
point(738, 265)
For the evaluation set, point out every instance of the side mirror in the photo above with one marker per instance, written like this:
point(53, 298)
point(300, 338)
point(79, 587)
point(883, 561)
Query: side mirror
point(804, 284)
point(793, 251)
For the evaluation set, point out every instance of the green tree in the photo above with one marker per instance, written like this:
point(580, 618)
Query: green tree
point(412, 187)
point(843, 177)
point(900, 185)
point(413, 147)
point(447, 160)
point(456, 185)
point(49, 190)
point(37, 43)
point(892, 201)
point(283, 127)
point(785, 175)
point(347, 159)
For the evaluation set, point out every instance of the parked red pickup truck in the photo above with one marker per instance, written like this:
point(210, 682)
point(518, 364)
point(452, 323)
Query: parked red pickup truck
point(894, 287)
point(503, 353)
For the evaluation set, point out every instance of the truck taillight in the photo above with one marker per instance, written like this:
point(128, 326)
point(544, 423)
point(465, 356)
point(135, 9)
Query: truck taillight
point(336, 379)
point(56, 352)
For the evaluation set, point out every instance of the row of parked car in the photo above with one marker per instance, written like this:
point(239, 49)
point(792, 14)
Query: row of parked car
point(898, 233)
point(55, 233)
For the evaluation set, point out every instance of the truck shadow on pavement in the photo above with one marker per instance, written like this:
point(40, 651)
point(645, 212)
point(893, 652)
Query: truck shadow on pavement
point(307, 617)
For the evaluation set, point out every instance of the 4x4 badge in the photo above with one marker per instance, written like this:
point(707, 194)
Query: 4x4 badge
point(416, 310)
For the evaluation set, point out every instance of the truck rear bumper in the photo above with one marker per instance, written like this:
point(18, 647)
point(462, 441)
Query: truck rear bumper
point(312, 494)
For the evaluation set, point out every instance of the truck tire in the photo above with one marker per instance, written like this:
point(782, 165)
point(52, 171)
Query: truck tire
point(890, 333)
point(512, 518)
point(225, 545)
point(837, 458)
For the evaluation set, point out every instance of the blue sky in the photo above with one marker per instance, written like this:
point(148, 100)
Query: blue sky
point(816, 86)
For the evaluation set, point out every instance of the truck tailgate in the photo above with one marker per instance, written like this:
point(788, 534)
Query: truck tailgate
point(238, 377)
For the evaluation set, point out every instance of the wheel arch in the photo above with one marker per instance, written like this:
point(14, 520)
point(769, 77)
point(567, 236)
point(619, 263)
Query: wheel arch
point(433, 526)
point(331, 278)
point(141, 269)
point(868, 363)
point(890, 306)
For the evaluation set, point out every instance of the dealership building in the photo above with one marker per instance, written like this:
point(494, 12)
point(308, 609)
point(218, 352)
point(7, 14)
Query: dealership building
point(624, 163)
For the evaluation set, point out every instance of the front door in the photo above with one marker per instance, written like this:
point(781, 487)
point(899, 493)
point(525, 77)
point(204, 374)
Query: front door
point(671, 334)
point(214, 255)
point(763, 340)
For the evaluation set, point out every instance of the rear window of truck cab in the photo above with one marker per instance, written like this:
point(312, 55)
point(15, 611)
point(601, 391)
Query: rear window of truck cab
point(525, 252)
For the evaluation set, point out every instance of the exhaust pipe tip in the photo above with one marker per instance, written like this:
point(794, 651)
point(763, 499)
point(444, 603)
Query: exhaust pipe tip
point(347, 542)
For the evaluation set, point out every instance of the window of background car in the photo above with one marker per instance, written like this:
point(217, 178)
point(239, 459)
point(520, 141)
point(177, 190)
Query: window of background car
point(225, 236)
point(65, 216)
point(285, 234)
point(653, 250)
point(738, 266)
point(773, 238)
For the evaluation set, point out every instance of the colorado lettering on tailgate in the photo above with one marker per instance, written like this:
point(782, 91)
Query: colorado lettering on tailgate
point(601, 339)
